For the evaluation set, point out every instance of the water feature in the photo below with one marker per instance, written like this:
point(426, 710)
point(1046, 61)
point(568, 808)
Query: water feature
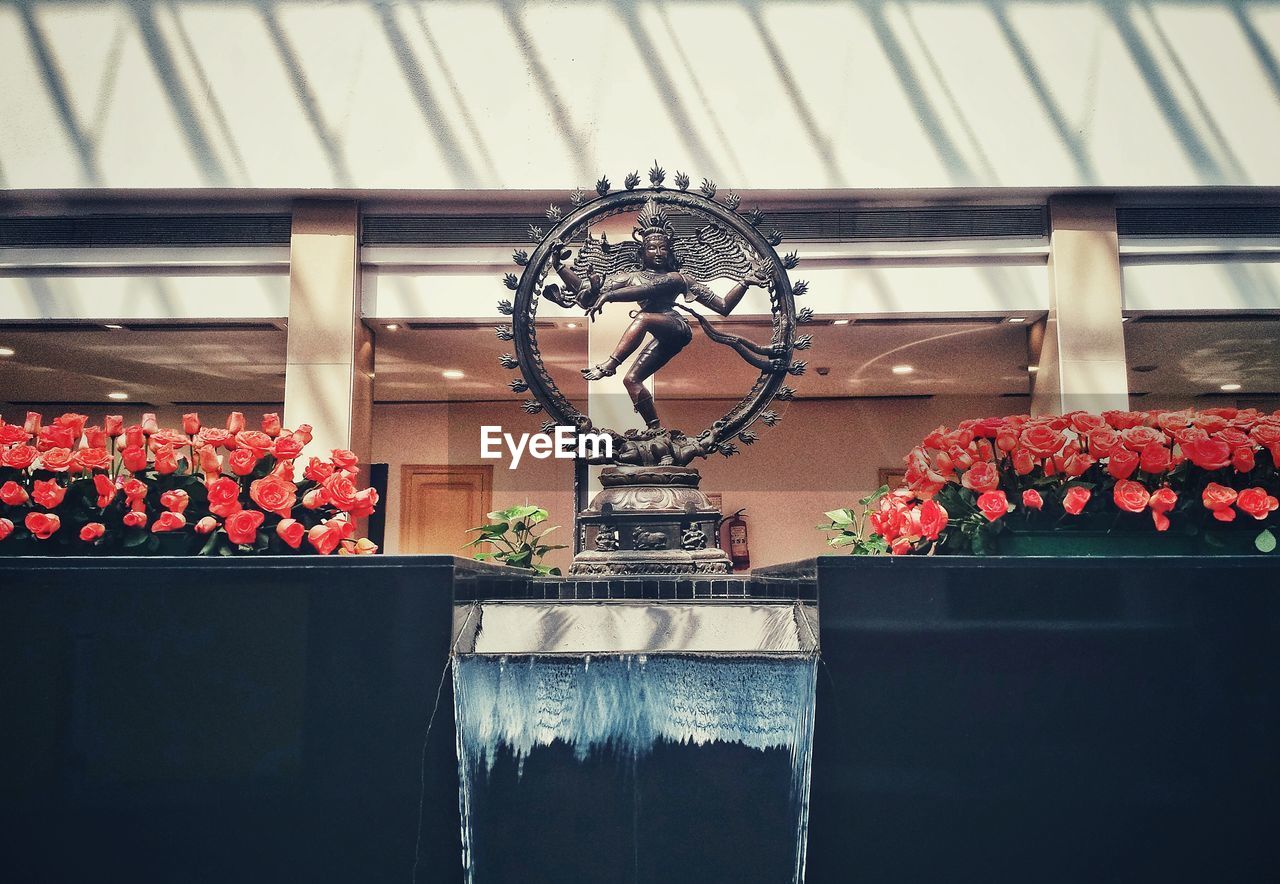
point(645, 763)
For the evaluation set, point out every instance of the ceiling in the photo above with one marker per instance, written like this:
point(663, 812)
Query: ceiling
point(1189, 358)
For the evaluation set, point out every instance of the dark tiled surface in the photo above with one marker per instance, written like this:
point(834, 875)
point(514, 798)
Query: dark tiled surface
point(487, 587)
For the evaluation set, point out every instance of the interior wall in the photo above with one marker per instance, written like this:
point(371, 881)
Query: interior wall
point(533, 94)
point(824, 454)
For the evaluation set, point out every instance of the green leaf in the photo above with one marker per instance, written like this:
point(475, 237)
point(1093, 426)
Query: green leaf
point(1265, 541)
point(482, 557)
point(840, 517)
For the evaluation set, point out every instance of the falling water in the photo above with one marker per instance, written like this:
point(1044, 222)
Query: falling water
point(629, 767)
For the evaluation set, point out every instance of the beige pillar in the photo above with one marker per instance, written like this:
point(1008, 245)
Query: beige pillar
point(1081, 357)
point(328, 380)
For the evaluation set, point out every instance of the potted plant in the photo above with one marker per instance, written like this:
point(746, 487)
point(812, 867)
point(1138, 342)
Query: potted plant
point(514, 542)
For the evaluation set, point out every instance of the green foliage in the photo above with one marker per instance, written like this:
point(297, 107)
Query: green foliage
point(1265, 541)
point(851, 529)
point(513, 540)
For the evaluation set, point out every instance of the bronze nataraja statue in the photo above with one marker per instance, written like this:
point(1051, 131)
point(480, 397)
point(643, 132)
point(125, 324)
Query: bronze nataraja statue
point(650, 516)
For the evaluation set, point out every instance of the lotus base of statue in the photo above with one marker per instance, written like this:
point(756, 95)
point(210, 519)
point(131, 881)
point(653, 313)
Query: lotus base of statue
point(649, 520)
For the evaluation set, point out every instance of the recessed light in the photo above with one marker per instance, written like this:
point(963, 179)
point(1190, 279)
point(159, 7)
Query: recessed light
point(902, 369)
point(391, 326)
point(839, 322)
point(118, 396)
point(1229, 388)
point(452, 374)
point(572, 325)
point(113, 326)
point(1033, 368)
point(1124, 319)
point(7, 351)
point(1016, 319)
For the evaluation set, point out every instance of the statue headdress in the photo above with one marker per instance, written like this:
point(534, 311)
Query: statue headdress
point(653, 219)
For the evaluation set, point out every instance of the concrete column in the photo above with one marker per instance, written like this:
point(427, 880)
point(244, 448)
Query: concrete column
point(1081, 354)
point(328, 379)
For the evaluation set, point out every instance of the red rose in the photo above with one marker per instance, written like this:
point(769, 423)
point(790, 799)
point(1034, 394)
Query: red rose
point(1207, 454)
point(94, 437)
point(993, 504)
point(366, 547)
point(366, 502)
point(1256, 502)
point(1138, 438)
point(106, 489)
point(1083, 422)
point(207, 525)
point(135, 519)
point(235, 422)
point(113, 425)
point(1023, 461)
point(933, 518)
point(1042, 439)
point(135, 492)
point(12, 434)
point(1006, 439)
point(1075, 499)
point(134, 437)
point(134, 458)
point(315, 498)
point(982, 476)
point(274, 495)
point(94, 459)
point(1242, 459)
point(149, 424)
point(258, 443)
point(6, 528)
point(216, 438)
point(242, 461)
point(286, 448)
point(210, 463)
point(13, 494)
point(304, 433)
point(317, 470)
point(168, 521)
point(169, 438)
point(341, 491)
point(1132, 497)
point(1162, 501)
point(191, 423)
point(1219, 498)
point(1173, 421)
point(1209, 421)
point(271, 424)
point(1032, 500)
point(1155, 459)
point(43, 525)
point(1267, 432)
point(1122, 463)
point(345, 460)
point(59, 460)
point(92, 531)
point(20, 458)
point(166, 461)
point(1077, 464)
point(48, 493)
point(291, 531)
point(175, 501)
point(326, 536)
point(32, 425)
point(54, 436)
point(242, 526)
point(1123, 420)
point(224, 497)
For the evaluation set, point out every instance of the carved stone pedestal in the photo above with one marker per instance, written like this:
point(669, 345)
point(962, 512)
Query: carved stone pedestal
point(649, 520)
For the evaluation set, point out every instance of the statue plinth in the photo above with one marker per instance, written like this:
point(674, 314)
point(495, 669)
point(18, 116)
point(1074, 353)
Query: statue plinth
point(649, 520)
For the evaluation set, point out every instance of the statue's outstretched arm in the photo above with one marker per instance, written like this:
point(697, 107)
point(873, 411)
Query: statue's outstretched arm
point(726, 304)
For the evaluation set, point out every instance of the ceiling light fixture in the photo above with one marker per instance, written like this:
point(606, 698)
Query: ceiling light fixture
point(840, 322)
point(1229, 388)
point(118, 396)
point(573, 325)
point(452, 374)
point(903, 369)
point(1016, 319)
point(391, 326)
point(111, 326)
point(7, 351)
point(1033, 368)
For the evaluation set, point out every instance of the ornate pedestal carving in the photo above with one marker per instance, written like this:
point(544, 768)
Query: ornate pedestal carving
point(649, 520)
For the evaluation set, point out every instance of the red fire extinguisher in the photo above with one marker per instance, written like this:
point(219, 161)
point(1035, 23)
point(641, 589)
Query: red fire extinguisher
point(735, 530)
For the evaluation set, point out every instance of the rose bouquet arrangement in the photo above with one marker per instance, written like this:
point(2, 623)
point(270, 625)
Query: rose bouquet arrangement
point(71, 489)
point(1193, 472)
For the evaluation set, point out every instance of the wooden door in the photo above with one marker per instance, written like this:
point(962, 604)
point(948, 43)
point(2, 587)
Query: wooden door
point(439, 503)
